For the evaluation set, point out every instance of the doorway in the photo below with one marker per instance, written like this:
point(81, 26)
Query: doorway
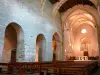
point(56, 46)
point(13, 55)
point(40, 48)
point(13, 43)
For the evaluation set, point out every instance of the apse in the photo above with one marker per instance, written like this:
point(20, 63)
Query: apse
point(86, 41)
point(80, 25)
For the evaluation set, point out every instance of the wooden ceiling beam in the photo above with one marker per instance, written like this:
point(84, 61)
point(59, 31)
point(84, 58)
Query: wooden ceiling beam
point(70, 3)
point(54, 1)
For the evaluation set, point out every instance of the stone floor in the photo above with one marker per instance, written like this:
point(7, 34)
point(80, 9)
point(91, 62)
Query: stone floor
point(94, 72)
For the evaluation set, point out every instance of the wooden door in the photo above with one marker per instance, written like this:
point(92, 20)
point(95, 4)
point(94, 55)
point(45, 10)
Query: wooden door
point(13, 56)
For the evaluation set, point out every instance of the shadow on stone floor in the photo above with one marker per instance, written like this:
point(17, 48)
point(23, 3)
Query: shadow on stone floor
point(96, 71)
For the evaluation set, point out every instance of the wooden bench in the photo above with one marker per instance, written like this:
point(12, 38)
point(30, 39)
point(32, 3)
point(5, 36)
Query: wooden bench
point(57, 67)
point(75, 68)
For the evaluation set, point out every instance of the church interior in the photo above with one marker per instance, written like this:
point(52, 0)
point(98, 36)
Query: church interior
point(49, 37)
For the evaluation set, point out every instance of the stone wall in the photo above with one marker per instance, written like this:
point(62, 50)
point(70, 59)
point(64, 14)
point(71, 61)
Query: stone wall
point(27, 14)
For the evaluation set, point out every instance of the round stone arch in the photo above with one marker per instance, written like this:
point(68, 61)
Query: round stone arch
point(13, 50)
point(88, 9)
point(56, 46)
point(59, 4)
point(40, 48)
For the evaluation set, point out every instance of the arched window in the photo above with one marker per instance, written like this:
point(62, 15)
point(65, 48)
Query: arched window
point(55, 46)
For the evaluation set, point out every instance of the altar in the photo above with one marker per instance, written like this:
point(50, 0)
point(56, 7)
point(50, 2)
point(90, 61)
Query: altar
point(81, 57)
